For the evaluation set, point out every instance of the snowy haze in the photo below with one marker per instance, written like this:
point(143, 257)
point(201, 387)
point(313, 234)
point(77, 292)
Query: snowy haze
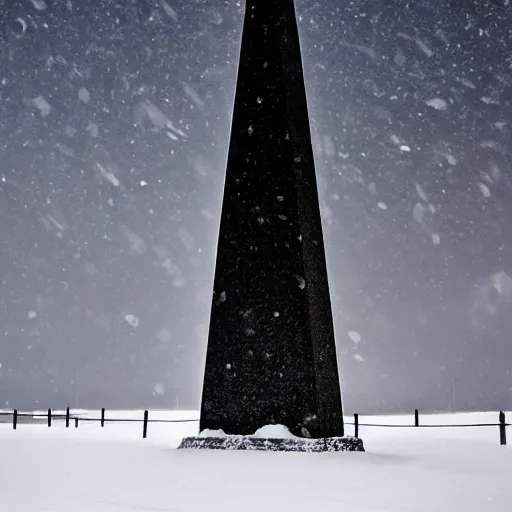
point(114, 129)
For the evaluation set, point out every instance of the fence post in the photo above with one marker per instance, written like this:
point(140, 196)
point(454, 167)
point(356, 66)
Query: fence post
point(503, 429)
point(49, 417)
point(356, 424)
point(103, 416)
point(416, 418)
point(67, 417)
point(14, 419)
point(76, 422)
point(145, 425)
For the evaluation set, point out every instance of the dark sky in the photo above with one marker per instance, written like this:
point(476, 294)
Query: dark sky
point(114, 127)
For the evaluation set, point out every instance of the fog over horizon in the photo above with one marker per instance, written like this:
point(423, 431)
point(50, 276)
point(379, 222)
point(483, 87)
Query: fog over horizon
point(114, 130)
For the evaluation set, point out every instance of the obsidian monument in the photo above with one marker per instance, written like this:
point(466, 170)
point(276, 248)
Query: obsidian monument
point(271, 354)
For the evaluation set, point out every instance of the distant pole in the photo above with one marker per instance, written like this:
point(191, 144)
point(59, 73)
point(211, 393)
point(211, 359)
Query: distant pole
point(145, 425)
point(14, 419)
point(356, 425)
point(416, 418)
point(76, 422)
point(67, 417)
point(103, 416)
point(49, 417)
point(503, 429)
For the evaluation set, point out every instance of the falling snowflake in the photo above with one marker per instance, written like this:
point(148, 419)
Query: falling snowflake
point(164, 335)
point(132, 320)
point(159, 390)
point(84, 95)
point(418, 212)
point(40, 5)
point(437, 103)
point(42, 105)
point(484, 189)
point(354, 336)
point(301, 281)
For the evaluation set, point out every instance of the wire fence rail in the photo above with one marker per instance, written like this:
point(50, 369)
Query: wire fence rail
point(69, 418)
point(501, 424)
point(75, 419)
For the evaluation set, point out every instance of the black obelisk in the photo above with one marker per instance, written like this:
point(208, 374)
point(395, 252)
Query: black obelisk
point(271, 354)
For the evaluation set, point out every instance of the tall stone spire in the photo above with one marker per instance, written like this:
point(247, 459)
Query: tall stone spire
point(271, 354)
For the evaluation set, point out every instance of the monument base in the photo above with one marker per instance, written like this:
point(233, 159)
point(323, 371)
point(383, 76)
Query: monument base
point(330, 444)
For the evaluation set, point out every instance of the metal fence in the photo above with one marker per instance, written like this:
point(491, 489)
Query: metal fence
point(501, 425)
point(75, 419)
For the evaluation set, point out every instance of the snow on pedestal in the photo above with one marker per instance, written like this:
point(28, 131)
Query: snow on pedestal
point(272, 438)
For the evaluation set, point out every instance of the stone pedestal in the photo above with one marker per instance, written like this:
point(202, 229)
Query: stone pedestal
point(331, 444)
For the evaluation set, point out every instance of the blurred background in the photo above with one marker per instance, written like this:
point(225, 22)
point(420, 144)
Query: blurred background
point(114, 131)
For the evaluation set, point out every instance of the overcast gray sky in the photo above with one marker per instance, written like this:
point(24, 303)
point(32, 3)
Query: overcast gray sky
point(114, 127)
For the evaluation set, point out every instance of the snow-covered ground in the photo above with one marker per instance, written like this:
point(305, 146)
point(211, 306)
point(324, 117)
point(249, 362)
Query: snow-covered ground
point(113, 469)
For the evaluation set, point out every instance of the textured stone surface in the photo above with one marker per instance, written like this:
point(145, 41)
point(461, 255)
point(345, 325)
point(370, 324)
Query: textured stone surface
point(271, 354)
point(332, 444)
